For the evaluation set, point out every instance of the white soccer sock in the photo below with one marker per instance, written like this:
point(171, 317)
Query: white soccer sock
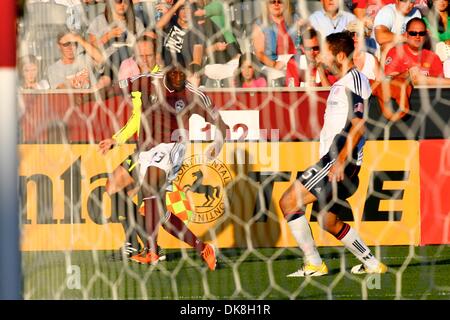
point(302, 233)
point(352, 241)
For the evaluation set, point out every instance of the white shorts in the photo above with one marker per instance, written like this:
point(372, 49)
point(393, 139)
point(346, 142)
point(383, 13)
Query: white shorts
point(166, 156)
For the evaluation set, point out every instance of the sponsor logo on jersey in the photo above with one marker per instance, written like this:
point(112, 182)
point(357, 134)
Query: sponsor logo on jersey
point(179, 105)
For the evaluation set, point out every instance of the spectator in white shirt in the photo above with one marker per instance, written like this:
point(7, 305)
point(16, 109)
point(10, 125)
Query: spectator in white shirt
point(447, 68)
point(390, 23)
point(331, 19)
point(74, 70)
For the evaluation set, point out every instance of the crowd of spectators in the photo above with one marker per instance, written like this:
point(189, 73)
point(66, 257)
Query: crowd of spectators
point(407, 39)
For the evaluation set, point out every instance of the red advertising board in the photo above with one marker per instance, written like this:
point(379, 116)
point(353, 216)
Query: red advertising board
point(434, 191)
point(84, 118)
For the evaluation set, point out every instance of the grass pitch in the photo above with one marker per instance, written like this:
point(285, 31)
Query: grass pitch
point(414, 273)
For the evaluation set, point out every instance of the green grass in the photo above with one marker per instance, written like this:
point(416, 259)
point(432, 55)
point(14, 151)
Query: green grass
point(415, 273)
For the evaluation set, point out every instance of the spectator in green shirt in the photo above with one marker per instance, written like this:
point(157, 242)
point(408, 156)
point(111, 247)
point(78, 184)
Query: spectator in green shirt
point(214, 10)
point(438, 20)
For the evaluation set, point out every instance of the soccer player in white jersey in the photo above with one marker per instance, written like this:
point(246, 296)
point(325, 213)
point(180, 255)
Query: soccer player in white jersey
point(335, 177)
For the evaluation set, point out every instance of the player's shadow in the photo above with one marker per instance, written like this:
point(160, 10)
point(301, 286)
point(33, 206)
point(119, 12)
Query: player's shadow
point(237, 252)
point(248, 206)
point(421, 264)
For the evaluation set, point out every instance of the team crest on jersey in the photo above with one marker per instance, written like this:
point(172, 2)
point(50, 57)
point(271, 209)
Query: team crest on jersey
point(388, 60)
point(204, 182)
point(179, 105)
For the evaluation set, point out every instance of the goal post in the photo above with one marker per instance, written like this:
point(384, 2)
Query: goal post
point(10, 268)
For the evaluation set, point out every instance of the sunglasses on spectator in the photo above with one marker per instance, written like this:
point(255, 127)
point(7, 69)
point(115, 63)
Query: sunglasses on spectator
point(315, 48)
point(417, 33)
point(66, 44)
point(412, 1)
point(276, 2)
point(120, 1)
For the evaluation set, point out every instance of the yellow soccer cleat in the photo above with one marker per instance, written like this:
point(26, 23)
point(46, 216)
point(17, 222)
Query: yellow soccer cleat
point(362, 269)
point(310, 270)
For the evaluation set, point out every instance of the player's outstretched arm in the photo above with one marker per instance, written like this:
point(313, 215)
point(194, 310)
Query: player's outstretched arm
point(131, 127)
point(133, 124)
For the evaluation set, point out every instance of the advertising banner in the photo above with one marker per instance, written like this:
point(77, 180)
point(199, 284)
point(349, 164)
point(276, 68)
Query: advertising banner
point(434, 186)
point(64, 205)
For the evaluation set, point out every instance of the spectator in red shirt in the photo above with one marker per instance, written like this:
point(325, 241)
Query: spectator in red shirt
point(358, 7)
point(410, 59)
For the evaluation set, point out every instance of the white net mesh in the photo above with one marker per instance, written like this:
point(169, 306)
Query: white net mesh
point(77, 240)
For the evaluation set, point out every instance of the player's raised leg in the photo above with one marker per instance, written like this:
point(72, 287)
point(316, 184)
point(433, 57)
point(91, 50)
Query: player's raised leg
point(292, 204)
point(176, 227)
point(119, 180)
point(154, 191)
point(353, 242)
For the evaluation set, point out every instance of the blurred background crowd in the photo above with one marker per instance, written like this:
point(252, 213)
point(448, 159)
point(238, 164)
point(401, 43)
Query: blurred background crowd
point(89, 44)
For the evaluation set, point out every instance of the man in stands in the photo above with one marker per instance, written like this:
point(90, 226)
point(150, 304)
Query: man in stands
point(331, 18)
point(390, 22)
point(410, 59)
point(312, 71)
point(74, 70)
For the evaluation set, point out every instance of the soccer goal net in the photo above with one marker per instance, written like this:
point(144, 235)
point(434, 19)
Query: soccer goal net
point(123, 197)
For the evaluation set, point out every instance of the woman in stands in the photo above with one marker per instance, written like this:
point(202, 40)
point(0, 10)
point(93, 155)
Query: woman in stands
point(274, 40)
point(214, 10)
point(438, 25)
point(29, 74)
point(115, 31)
point(248, 75)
